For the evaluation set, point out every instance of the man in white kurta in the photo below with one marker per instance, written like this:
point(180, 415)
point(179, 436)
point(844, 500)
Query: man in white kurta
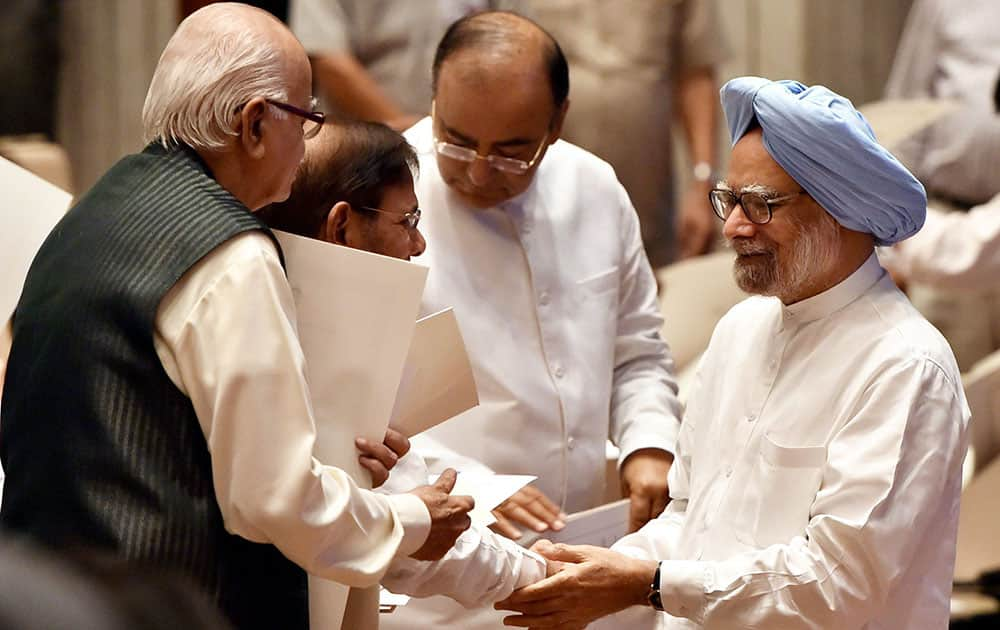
point(818, 468)
point(551, 287)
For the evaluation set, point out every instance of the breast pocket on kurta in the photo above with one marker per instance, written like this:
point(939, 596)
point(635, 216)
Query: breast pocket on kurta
point(779, 493)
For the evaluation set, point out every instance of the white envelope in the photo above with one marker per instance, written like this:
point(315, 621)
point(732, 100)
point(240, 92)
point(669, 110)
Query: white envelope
point(437, 381)
point(356, 312)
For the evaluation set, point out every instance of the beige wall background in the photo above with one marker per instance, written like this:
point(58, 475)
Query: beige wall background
point(109, 51)
point(110, 48)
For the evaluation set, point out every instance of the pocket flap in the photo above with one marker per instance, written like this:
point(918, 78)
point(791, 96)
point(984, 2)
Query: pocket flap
point(792, 456)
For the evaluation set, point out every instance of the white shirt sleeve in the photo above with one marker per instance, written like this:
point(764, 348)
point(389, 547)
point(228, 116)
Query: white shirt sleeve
point(886, 472)
point(645, 411)
point(481, 567)
point(226, 336)
point(954, 250)
point(657, 539)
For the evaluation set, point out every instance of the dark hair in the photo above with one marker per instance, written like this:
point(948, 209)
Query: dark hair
point(996, 96)
point(350, 161)
point(491, 28)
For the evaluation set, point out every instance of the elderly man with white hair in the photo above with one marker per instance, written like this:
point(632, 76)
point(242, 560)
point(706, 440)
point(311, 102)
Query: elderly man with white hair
point(156, 404)
point(819, 464)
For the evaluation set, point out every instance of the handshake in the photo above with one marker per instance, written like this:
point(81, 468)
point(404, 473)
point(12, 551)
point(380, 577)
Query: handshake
point(583, 583)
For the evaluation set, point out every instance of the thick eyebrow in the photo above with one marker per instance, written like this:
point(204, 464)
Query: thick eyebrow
point(760, 189)
point(461, 137)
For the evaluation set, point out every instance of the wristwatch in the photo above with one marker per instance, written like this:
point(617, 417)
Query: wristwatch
point(702, 172)
point(654, 590)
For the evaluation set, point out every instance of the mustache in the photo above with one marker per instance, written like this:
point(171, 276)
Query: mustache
point(749, 247)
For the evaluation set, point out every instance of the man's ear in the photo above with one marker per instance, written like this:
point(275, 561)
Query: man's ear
point(557, 122)
point(337, 220)
point(252, 118)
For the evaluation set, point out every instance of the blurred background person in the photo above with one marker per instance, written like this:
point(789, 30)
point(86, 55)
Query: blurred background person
point(639, 70)
point(372, 58)
point(950, 50)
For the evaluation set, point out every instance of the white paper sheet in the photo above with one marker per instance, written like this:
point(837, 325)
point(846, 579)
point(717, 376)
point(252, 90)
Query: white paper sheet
point(356, 312)
point(29, 209)
point(488, 490)
point(437, 381)
point(388, 601)
point(601, 526)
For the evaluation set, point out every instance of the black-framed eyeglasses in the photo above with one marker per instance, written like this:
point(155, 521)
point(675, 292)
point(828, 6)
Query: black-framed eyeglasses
point(411, 218)
point(313, 120)
point(757, 206)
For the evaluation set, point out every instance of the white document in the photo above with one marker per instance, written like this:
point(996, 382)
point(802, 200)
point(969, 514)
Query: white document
point(29, 209)
point(601, 526)
point(489, 490)
point(437, 381)
point(356, 312)
point(388, 601)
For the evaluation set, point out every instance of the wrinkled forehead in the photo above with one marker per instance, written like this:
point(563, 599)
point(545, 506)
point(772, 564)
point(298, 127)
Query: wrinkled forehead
point(492, 95)
point(750, 165)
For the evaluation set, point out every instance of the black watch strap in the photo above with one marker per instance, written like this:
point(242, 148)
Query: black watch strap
point(654, 590)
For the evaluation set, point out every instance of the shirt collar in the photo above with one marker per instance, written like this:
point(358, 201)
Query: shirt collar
point(836, 297)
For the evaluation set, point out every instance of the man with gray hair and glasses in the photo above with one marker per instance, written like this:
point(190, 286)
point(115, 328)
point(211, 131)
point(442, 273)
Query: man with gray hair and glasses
point(156, 404)
point(819, 464)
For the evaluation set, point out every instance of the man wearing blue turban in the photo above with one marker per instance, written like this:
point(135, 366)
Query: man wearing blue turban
point(818, 471)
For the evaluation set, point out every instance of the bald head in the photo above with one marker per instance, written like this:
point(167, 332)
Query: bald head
point(496, 45)
point(219, 58)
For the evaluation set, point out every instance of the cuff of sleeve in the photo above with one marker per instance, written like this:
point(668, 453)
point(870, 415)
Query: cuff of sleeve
point(632, 443)
point(683, 588)
point(532, 569)
point(414, 518)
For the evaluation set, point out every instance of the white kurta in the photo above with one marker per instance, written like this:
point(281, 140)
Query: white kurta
point(818, 473)
point(226, 336)
point(481, 568)
point(954, 250)
point(557, 306)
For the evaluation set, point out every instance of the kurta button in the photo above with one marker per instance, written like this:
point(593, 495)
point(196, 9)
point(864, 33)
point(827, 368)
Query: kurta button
point(751, 418)
point(571, 442)
point(729, 471)
point(560, 372)
point(543, 298)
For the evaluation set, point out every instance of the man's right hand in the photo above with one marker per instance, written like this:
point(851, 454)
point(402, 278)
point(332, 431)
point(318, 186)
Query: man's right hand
point(449, 516)
point(529, 507)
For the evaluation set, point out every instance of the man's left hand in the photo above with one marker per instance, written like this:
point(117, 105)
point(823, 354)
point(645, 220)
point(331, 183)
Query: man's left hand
point(592, 582)
point(379, 459)
point(696, 223)
point(644, 482)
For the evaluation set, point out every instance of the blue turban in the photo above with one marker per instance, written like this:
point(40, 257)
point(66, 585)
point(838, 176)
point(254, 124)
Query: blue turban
point(826, 146)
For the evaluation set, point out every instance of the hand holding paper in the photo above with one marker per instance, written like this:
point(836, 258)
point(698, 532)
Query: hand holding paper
point(379, 459)
point(528, 506)
point(449, 515)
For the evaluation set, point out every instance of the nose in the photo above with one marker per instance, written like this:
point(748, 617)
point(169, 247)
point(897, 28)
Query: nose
point(738, 225)
point(417, 243)
point(479, 171)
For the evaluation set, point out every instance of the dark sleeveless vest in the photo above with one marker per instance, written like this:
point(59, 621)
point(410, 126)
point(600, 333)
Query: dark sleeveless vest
point(100, 448)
